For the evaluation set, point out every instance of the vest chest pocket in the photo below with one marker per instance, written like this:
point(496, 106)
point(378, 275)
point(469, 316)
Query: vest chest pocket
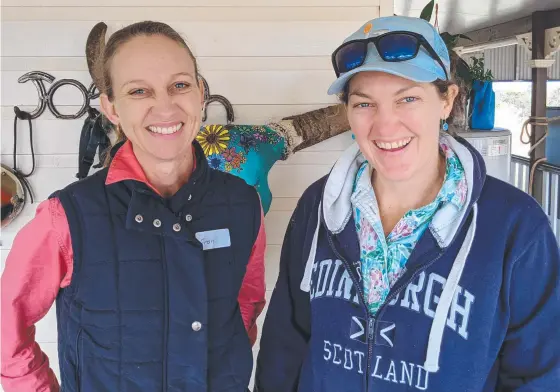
point(221, 274)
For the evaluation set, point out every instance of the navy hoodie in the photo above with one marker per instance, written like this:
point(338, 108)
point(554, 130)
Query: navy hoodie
point(477, 309)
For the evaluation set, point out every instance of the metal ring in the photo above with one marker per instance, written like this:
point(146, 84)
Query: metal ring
point(37, 78)
point(230, 116)
point(79, 86)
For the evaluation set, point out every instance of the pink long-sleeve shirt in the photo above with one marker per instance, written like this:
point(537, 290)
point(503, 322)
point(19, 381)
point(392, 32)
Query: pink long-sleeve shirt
point(40, 263)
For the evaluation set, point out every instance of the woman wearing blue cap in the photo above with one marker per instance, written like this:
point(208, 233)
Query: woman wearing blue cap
point(407, 267)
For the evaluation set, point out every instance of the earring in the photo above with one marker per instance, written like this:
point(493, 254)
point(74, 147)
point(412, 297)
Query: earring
point(444, 125)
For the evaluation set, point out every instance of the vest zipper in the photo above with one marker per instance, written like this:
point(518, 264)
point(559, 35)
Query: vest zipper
point(165, 313)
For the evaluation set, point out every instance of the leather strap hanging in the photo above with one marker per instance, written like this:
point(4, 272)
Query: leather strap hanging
point(93, 138)
point(23, 115)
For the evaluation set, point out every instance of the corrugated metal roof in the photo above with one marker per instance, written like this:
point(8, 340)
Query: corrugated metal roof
point(523, 69)
point(512, 63)
point(501, 61)
point(523, 59)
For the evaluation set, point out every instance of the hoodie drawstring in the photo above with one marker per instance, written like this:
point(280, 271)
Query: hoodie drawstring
point(431, 363)
point(306, 280)
point(440, 319)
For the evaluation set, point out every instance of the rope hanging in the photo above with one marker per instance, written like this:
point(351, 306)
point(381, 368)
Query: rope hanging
point(535, 121)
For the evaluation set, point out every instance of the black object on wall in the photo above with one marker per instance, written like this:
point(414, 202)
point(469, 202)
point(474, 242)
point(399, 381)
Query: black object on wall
point(94, 136)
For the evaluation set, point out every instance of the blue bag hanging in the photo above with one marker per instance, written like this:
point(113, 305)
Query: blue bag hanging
point(482, 105)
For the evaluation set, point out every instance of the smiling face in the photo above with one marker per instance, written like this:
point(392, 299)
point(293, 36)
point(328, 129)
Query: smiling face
point(397, 122)
point(157, 99)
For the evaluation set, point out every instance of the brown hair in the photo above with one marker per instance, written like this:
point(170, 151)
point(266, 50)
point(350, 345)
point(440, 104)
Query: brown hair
point(103, 79)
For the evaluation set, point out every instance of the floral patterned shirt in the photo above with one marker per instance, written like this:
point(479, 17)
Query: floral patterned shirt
point(383, 259)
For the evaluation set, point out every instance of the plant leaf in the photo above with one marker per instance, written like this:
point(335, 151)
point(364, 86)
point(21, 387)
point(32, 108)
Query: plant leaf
point(426, 13)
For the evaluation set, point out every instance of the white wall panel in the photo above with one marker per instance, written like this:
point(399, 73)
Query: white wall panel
point(270, 58)
point(194, 3)
point(318, 38)
point(183, 14)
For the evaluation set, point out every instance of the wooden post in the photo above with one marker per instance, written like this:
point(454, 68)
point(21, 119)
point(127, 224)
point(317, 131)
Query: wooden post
point(538, 99)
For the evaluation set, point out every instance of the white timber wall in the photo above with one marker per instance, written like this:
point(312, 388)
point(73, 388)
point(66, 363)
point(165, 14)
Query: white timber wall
point(269, 58)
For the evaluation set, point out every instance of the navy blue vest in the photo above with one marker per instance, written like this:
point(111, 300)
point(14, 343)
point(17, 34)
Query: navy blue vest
point(148, 309)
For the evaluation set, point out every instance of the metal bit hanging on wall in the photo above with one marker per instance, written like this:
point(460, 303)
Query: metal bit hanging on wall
point(209, 98)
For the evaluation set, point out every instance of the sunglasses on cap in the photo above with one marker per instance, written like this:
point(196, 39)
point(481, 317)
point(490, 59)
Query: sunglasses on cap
point(394, 46)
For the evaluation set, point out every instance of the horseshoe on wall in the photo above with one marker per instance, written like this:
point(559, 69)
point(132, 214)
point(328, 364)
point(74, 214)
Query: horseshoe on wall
point(230, 116)
point(79, 86)
point(209, 98)
point(206, 88)
point(37, 78)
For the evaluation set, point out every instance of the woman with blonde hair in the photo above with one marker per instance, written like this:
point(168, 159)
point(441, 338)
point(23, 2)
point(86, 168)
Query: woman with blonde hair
point(156, 263)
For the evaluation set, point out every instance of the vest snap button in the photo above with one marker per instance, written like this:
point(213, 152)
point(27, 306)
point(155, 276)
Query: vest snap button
point(157, 223)
point(188, 217)
point(190, 197)
point(196, 326)
point(139, 218)
point(176, 227)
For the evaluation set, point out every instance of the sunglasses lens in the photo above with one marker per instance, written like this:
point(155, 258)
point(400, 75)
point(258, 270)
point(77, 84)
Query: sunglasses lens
point(351, 56)
point(398, 47)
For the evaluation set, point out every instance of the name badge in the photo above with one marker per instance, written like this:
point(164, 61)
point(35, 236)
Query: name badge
point(214, 239)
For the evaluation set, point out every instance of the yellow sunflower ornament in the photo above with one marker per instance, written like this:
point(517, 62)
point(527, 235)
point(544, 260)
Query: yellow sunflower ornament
point(213, 139)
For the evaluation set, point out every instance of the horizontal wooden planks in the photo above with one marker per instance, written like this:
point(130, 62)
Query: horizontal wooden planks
point(230, 38)
point(191, 14)
point(193, 3)
point(217, 63)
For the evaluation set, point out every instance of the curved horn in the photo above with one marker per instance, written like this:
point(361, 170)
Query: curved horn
point(307, 129)
point(95, 45)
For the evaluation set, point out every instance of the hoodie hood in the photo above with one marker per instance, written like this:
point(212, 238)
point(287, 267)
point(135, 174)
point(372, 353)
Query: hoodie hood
point(337, 207)
point(335, 211)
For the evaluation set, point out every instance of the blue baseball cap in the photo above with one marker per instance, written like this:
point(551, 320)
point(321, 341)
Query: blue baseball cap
point(422, 68)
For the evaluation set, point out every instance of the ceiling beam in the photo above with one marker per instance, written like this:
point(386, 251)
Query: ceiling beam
point(499, 32)
point(508, 30)
point(551, 18)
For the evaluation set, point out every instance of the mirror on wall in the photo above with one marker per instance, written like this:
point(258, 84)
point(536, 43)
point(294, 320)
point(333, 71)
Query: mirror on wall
point(13, 195)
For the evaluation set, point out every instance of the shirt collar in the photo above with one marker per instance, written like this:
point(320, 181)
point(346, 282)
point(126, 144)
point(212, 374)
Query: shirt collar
point(453, 189)
point(125, 166)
